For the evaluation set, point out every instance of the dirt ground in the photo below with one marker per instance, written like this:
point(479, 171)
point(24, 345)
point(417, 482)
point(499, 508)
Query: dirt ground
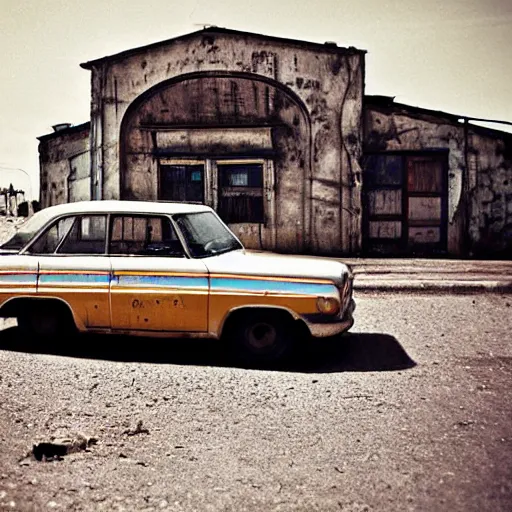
point(411, 411)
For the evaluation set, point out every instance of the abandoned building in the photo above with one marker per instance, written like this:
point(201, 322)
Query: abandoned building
point(279, 138)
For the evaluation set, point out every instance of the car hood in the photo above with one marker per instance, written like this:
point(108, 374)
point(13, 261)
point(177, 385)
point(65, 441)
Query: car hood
point(256, 263)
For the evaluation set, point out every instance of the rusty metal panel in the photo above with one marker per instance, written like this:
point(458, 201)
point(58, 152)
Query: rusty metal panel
point(385, 229)
point(385, 202)
point(425, 209)
point(211, 101)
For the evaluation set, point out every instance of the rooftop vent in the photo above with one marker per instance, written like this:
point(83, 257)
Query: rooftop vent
point(60, 126)
point(331, 43)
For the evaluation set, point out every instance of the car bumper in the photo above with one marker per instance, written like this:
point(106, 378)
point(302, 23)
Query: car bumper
point(325, 329)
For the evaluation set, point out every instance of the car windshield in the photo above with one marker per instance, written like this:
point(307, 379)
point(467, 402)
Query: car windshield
point(27, 231)
point(205, 234)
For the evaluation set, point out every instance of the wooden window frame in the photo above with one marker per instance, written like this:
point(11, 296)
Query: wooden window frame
point(243, 161)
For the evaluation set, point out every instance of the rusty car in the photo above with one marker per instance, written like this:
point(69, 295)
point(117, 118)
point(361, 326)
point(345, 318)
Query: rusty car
point(168, 270)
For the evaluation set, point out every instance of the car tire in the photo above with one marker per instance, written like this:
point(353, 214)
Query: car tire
point(47, 321)
point(262, 337)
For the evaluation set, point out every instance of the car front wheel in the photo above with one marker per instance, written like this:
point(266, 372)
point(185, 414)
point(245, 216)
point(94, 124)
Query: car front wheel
point(262, 337)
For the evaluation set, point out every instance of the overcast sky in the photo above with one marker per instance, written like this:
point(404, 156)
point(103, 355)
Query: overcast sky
point(450, 55)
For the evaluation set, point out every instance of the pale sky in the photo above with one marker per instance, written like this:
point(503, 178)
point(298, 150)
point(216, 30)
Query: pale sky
point(450, 55)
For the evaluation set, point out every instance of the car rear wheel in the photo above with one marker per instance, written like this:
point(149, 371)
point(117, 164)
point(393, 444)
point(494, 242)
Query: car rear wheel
point(49, 321)
point(262, 337)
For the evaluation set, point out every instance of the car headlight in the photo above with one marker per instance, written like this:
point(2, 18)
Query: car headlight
point(327, 305)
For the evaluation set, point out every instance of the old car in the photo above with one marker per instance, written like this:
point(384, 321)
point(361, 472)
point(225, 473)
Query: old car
point(165, 269)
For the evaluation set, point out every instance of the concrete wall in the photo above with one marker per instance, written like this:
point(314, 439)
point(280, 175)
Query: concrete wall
point(64, 160)
point(318, 137)
point(490, 200)
point(479, 191)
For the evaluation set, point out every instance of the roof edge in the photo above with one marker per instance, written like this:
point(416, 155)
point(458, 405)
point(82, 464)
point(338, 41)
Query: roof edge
point(327, 46)
point(66, 131)
point(389, 103)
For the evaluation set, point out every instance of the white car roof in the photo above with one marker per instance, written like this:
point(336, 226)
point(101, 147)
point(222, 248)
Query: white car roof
point(107, 206)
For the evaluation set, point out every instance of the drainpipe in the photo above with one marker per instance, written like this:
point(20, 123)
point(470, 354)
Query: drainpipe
point(465, 190)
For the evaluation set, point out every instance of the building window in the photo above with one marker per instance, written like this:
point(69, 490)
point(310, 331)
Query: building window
point(241, 192)
point(182, 181)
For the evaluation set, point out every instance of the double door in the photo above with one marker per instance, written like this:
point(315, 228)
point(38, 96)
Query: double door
point(406, 203)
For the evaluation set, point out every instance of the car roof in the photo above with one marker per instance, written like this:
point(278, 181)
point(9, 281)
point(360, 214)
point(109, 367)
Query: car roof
point(113, 206)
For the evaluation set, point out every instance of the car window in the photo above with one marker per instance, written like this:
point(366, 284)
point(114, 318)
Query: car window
point(48, 242)
point(144, 236)
point(205, 234)
point(87, 236)
point(28, 230)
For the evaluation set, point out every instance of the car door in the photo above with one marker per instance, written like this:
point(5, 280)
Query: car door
point(74, 267)
point(18, 276)
point(154, 285)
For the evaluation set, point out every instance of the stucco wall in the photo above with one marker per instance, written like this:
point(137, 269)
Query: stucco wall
point(327, 83)
point(59, 152)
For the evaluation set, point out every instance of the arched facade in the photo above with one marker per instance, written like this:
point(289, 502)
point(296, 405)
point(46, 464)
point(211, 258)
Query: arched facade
point(267, 131)
point(232, 141)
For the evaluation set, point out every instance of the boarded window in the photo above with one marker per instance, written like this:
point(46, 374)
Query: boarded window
point(241, 192)
point(424, 175)
point(384, 202)
point(382, 170)
point(144, 235)
point(182, 183)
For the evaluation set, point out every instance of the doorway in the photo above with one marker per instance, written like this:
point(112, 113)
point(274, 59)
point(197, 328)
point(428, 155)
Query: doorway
point(405, 204)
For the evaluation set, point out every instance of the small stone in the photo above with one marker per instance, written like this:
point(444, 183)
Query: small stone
point(52, 504)
point(163, 504)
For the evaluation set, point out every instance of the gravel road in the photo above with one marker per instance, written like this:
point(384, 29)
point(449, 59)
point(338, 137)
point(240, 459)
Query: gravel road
point(412, 411)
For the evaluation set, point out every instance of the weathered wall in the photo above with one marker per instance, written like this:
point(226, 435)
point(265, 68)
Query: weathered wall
point(64, 160)
point(479, 200)
point(490, 203)
point(317, 180)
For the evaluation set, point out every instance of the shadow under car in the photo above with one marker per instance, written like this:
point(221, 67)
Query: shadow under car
point(354, 352)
